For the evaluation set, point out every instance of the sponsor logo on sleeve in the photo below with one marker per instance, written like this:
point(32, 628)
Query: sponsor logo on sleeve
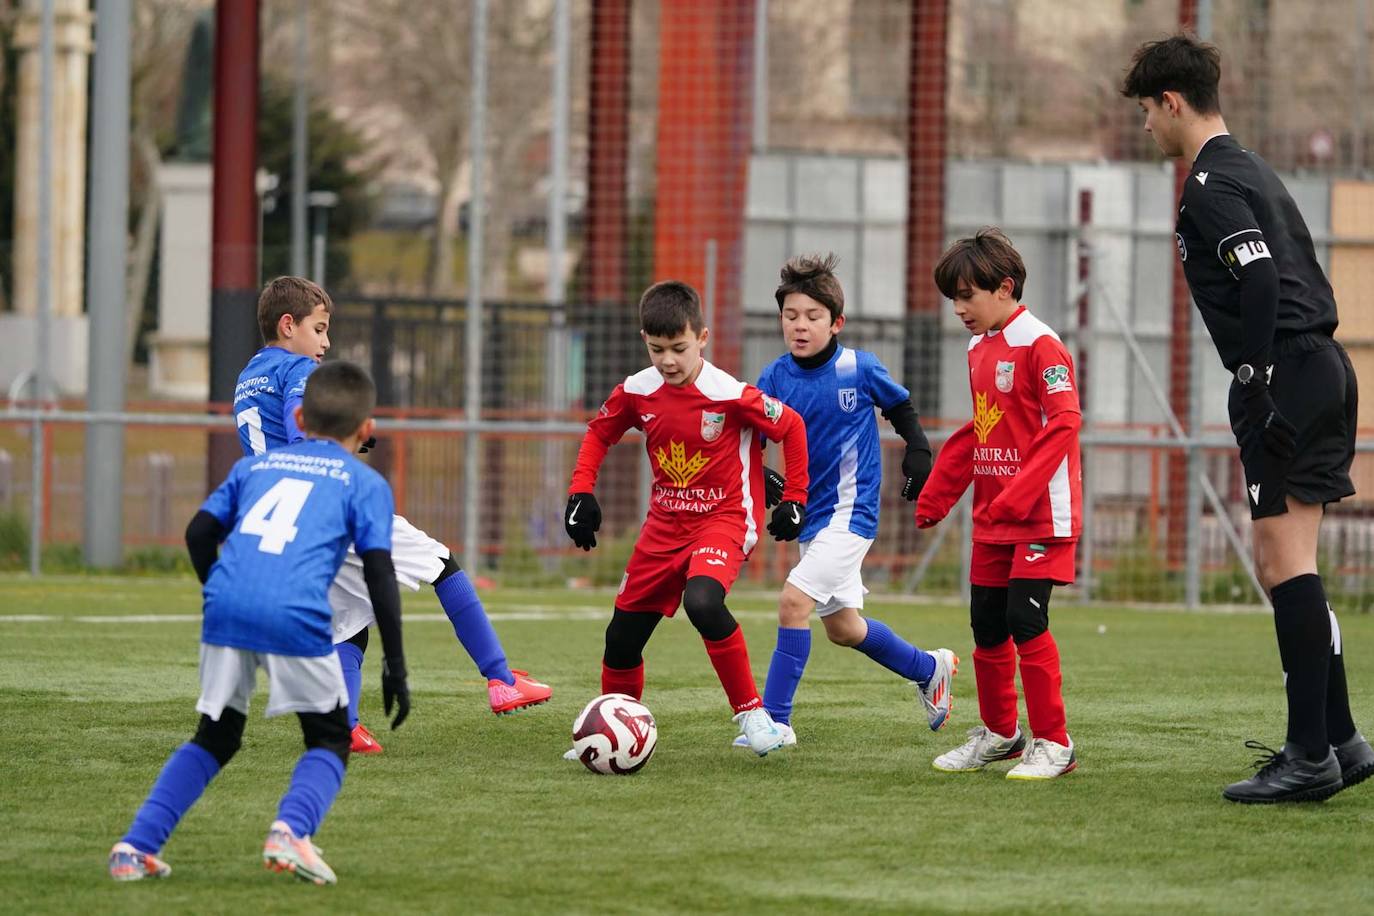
point(712, 425)
point(1057, 379)
point(1202, 178)
point(772, 409)
point(1006, 372)
point(849, 399)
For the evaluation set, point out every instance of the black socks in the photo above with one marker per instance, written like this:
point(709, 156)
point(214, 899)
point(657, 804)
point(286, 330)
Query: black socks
point(1302, 622)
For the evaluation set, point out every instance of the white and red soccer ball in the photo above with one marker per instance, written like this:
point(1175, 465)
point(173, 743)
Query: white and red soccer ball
point(615, 734)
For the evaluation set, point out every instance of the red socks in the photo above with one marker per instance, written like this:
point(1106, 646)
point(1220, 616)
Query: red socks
point(1043, 686)
point(995, 671)
point(628, 681)
point(730, 658)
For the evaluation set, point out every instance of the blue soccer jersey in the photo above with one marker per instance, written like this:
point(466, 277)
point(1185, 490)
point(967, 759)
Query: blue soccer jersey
point(272, 379)
point(291, 514)
point(836, 400)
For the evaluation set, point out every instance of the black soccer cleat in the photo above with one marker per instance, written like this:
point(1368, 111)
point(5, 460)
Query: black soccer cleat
point(1286, 776)
point(1356, 760)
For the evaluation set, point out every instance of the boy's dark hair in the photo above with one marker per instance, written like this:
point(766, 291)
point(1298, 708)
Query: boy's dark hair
point(984, 261)
point(339, 397)
point(812, 275)
point(294, 296)
point(668, 308)
point(1180, 63)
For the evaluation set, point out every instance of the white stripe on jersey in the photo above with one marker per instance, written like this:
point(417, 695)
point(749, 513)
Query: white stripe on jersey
point(746, 445)
point(717, 384)
point(1061, 500)
point(847, 366)
point(847, 487)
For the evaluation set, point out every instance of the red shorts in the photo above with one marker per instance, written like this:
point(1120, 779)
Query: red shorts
point(994, 564)
point(660, 567)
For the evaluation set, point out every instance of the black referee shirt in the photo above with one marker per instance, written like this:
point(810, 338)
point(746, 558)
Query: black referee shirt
point(1237, 227)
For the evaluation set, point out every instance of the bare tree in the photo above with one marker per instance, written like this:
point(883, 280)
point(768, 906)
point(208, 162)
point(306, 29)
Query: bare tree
point(409, 65)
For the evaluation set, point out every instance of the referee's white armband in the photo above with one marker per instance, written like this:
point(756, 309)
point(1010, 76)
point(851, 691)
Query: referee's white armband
point(1247, 251)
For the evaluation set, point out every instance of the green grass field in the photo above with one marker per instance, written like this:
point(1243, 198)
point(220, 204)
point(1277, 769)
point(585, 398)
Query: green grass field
point(469, 813)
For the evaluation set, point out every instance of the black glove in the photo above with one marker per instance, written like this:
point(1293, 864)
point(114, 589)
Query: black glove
point(773, 484)
point(395, 688)
point(916, 464)
point(582, 518)
point(367, 446)
point(787, 522)
point(1263, 419)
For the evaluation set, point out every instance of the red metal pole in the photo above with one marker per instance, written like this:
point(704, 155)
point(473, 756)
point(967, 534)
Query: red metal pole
point(925, 219)
point(1180, 360)
point(1085, 218)
point(234, 240)
point(608, 140)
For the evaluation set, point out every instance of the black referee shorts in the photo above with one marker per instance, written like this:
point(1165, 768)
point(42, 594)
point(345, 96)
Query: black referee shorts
point(1313, 386)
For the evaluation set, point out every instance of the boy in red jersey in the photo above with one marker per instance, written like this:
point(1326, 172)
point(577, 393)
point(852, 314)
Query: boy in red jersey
point(701, 429)
point(1020, 452)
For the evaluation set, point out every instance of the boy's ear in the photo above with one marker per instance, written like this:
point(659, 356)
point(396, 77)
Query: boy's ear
point(837, 324)
point(1006, 287)
point(367, 430)
point(286, 327)
point(300, 418)
point(704, 336)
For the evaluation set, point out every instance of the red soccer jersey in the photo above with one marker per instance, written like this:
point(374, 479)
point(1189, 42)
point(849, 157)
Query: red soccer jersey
point(1020, 451)
point(703, 445)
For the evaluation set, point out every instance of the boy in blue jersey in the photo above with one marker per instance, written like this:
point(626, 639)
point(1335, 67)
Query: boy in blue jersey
point(293, 316)
point(282, 522)
point(835, 390)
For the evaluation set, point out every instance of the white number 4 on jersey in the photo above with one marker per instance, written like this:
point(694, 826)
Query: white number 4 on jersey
point(273, 516)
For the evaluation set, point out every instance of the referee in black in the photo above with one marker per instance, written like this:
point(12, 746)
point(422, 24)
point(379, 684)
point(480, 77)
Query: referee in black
point(1250, 265)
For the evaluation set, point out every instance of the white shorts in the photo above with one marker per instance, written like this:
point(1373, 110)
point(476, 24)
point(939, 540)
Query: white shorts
point(828, 572)
point(294, 683)
point(418, 558)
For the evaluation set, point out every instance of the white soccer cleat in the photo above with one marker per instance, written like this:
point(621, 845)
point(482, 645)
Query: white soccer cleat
point(570, 754)
point(982, 747)
point(284, 851)
point(938, 695)
point(789, 737)
point(758, 728)
point(1044, 759)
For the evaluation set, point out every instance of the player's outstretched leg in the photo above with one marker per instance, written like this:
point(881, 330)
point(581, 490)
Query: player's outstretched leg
point(315, 782)
point(350, 653)
point(704, 601)
point(182, 781)
point(508, 690)
point(1353, 753)
point(933, 672)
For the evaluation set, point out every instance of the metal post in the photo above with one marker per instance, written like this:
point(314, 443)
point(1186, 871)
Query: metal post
point(300, 140)
point(105, 284)
point(760, 75)
point(557, 344)
point(1085, 267)
point(41, 387)
point(472, 454)
point(1357, 96)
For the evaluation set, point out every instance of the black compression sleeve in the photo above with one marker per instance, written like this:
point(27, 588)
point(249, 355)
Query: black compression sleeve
point(1259, 305)
point(203, 536)
point(380, 575)
point(907, 424)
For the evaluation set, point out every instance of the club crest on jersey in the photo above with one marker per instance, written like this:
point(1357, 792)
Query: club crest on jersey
point(849, 399)
point(1057, 379)
point(712, 425)
point(1005, 375)
point(772, 409)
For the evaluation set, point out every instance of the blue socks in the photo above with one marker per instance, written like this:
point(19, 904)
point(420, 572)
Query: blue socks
point(182, 780)
point(896, 654)
point(316, 781)
point(785, 672)
point(471, 626)
point(351, 659)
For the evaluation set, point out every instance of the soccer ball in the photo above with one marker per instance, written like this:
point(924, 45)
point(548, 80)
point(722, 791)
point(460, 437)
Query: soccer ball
point(615, 734)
